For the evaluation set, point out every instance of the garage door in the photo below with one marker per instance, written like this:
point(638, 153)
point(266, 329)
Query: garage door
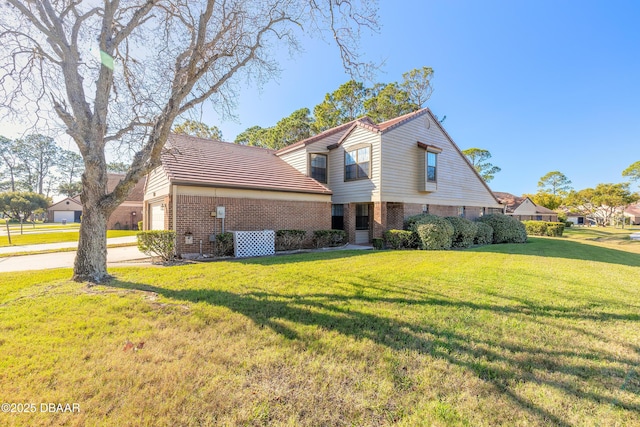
point(157, 216)
point(58, 216)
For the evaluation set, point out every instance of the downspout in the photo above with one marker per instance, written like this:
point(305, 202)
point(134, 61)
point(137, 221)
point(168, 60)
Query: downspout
point(174, 210)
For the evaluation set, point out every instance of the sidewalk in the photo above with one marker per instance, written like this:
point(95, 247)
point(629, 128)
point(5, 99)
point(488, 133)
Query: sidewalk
point(63, 245)
point(124, 256)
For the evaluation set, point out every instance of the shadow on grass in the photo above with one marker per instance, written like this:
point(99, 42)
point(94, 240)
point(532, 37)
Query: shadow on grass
point(560, 248)
point(304, 257)
point(480, 355)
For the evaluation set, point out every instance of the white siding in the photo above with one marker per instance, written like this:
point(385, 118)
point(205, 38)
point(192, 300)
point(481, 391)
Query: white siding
point(158, 183)
point(403, 160)
point(364, 190)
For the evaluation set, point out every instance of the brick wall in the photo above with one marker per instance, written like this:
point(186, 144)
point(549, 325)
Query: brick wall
point(194, 216)
point(121, 218)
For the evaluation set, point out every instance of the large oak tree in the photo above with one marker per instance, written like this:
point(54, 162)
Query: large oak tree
point(119, 72)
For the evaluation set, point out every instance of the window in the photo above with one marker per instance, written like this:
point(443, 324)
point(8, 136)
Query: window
point(461, 211)
point(337, 217)
point(432, 160)
point(362, 217)
point(318, 164)
point(356, 164)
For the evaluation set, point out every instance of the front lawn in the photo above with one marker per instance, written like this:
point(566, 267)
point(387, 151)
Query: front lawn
point(545, 333)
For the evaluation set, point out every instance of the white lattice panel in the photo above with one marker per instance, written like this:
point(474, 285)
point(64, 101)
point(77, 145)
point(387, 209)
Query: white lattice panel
point(254, 243)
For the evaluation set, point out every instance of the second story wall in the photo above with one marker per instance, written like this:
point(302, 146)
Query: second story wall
point(403, 164)
point(357, 190)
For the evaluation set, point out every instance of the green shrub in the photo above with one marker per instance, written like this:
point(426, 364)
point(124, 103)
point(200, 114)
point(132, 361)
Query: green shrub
point(435, 236)
point(555, 229)
point(484, 235)
point(544, 228)
point(140, 225)
point(535, 228)
point(506, 229)
point(287, 240)
point(400, 239)
point(223, 245)
point(464, 231)
point(327, 238)
point(159, 243)
point(378, 243)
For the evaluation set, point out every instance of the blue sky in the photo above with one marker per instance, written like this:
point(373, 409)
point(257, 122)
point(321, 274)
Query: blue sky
point(543, 85)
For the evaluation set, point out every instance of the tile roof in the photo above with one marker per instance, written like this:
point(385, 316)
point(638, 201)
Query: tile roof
point(363, 122)
point(198, 161)
point(136, 195)
point(633, 210)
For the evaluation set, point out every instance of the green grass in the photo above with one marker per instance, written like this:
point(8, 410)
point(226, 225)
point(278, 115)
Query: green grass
point(539, 334)
point(53, 237)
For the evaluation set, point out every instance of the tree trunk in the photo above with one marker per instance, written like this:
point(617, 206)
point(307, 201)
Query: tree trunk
point(91, 258)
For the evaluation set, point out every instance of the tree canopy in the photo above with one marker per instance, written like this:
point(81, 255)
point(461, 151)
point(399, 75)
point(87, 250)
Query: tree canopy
point(633, 171)
point(601, 203)
point(555, 183)
point(118, 73)
point(478, 157)
point(199, 129)
point(17, 204)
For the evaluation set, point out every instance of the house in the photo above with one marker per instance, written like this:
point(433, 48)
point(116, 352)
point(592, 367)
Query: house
point(129, 213)
point(362, 177)
point(579, 219)
point(633, 213)
point(380, 174)
point(67, 210)
point(524, 209)
point(126, 216)
point(205, 187)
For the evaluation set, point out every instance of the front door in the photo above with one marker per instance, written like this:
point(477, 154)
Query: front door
point(363, 211)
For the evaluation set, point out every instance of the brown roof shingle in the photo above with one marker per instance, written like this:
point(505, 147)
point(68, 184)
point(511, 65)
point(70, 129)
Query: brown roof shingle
point(136, 195)
point(206, 162)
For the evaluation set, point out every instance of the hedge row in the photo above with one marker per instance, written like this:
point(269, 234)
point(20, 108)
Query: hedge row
point(432, 232)
point(544, 228)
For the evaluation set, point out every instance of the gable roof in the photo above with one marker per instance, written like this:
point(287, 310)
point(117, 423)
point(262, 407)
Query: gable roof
point(199, 161)
point(136, 194)
point(64, 201)
point(362, 122)
point(513, 202)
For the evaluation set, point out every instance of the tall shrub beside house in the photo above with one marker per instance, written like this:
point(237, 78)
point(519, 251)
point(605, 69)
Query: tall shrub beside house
point(505, 228)
point(464, 231)
point(433, 232)
point(484, 234)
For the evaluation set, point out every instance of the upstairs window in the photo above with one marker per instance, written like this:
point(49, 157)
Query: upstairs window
point(357, 164)
point(432, 166)
point(318, 165)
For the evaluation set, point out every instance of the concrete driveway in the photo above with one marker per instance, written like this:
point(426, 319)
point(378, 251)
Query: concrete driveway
point(115, 256)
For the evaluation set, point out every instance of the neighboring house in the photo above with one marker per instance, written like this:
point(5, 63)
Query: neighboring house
point(524, 209)
point(204, 187)
point(67, 210)
point(579, 219)
point(633, 213)
point(125, 217)
point(129, 213)
point(380, 174)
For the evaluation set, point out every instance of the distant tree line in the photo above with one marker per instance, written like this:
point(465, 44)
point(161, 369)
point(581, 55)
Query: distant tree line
point(352, 100)
point(37, 164)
